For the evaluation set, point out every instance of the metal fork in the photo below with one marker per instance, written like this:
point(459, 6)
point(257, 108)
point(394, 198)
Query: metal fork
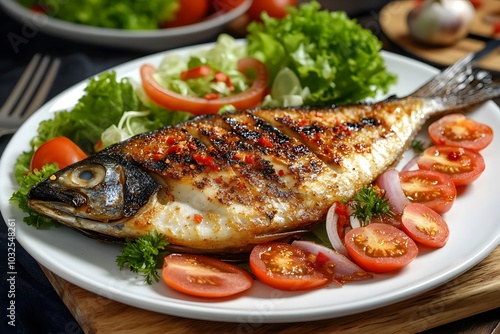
point(29, 93)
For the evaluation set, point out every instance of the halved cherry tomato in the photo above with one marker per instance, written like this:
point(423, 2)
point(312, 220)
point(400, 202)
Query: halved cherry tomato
point(460, 164)
point(198, 105)
point(458, 130)
point(189, 12)
point(380, 247)
point(431, 188)
point(60, 150)
point(273, 8)
point(202, 276)
point(286, 267)
point(424, 225)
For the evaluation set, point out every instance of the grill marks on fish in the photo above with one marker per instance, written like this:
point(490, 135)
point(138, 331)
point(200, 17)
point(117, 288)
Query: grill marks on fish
point(263, 172)
point(333, 136)
point(357, 142)
point(242, 168)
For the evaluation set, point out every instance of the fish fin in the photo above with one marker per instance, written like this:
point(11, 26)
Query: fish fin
point(100, 236)
point(229, 254)
point(460, 86)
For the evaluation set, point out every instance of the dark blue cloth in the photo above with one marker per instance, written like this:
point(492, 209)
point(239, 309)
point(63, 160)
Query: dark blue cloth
point(38, 308)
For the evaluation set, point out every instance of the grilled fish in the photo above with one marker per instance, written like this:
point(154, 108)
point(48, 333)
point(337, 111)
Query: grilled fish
point(222, 183)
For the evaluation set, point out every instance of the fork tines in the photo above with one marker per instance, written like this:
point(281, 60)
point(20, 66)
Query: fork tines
point(31, 89)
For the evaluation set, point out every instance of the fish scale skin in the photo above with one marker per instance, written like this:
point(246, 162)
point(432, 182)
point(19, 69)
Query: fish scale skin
point(248, 188)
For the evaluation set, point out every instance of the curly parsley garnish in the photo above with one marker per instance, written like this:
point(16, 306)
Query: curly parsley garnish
point(143, 255)
point(369, 203)
point(418, 146)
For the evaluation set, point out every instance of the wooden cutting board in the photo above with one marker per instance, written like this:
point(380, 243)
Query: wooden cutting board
point(393, 23)
point(476, 291)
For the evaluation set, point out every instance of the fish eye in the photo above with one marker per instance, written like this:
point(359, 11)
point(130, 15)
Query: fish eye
point(87, 176)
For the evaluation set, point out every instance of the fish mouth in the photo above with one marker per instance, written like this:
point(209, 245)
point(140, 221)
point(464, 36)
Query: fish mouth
point(54, 195)
point(69, 216)
point(59, 211)
point(56, 204)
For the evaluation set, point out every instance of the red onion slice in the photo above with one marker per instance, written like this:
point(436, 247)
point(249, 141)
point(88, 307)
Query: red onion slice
point(389, 181)
point(332, 230)
point(411, 165)
point(344, 270)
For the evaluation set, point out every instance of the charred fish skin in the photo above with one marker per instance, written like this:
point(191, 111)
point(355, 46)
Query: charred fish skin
point(222, 183)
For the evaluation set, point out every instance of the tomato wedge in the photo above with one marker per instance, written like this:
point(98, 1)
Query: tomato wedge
point(380, 247)
point(202, 276)
point(60, 150)
point(197, 105)
point(431, 188)
point(285, 267)
point(460, 164)
point(458, 130)
point(424, 225)
point(196, 72)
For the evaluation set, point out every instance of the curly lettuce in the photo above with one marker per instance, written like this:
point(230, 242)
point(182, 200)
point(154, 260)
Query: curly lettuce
point(334, 58)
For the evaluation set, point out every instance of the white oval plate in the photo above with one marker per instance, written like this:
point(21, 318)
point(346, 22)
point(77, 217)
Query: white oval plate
point(140, 40)
point(90, 264)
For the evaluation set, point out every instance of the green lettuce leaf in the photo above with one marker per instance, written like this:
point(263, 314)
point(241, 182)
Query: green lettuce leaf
point(332, 55)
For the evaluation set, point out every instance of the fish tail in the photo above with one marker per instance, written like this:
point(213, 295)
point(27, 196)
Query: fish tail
point(460, 86)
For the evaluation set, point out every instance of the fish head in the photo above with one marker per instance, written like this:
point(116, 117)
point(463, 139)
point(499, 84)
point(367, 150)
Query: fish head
point(101, 188)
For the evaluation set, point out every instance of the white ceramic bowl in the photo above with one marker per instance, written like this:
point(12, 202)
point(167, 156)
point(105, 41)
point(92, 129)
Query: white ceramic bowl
point(142, 40)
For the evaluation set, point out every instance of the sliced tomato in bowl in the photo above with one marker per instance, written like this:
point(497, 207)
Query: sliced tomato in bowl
point(285, 267)
point(458, 130)
point(461, 165)
point(380, 248)
point(202, 276)
point(429, 187)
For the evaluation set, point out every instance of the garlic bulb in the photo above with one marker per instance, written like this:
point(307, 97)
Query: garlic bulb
point(441, 22)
